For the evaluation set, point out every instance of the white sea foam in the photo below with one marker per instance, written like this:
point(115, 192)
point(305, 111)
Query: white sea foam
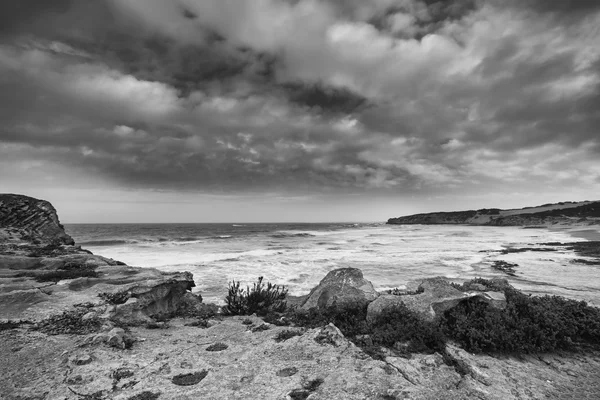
point(389, 256)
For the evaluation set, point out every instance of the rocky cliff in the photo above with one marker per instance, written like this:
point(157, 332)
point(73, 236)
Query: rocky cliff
point(565, 213)
point(42, 272)
point(31, 219)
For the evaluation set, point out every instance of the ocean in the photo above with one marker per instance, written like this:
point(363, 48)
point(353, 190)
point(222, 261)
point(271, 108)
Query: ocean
point(300, 255)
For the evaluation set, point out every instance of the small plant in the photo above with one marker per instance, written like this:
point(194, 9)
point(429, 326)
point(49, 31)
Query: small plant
point(247, 321)
point(287, 334)
point(260, 299)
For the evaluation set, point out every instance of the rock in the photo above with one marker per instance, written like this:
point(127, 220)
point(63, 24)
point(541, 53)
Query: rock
point(150, 298)
point(331, 335)
point(83, 359)
point(33, 219)
point(341, 286)
point(437, 296)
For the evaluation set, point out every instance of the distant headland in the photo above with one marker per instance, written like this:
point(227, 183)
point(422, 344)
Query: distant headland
point(567, 213)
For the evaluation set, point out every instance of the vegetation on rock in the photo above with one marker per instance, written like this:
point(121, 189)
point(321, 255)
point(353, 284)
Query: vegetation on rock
point(528, 324)
point(260, 299)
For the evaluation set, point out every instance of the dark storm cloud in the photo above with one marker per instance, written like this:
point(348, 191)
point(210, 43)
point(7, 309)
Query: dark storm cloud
point(351, 96)
point(562, 6)
point(327, 99)
point(16, 16)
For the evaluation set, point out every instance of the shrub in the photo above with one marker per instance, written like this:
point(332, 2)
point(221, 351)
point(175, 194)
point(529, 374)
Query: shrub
point(349, 318)
point(260, 299)
point(528, 324)
point(398, 325)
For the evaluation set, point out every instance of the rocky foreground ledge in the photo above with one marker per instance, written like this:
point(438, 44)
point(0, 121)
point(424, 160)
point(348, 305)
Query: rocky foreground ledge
point(79, 326)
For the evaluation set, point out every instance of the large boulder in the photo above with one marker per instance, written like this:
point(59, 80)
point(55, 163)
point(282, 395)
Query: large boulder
point(436, 295)
point(341, 286)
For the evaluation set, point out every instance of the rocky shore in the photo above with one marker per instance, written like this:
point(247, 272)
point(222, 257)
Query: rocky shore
point(570, 214)
point(74, 325)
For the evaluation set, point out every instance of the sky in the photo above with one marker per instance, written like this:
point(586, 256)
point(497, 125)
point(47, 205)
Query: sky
point(298, 110)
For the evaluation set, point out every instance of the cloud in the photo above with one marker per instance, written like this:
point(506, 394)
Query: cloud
point(386, 96)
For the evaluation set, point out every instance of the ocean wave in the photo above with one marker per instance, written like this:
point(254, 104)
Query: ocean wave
point(107, 242)
point(222, 237)
point(284, 235)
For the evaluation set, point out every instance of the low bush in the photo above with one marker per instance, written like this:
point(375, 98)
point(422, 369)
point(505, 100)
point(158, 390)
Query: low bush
point(528, 324)
point(260, 299)
point(394, 326)
point(349, 318)
point(406, 331)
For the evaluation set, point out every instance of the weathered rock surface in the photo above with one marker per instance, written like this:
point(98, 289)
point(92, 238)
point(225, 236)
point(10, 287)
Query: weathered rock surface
point(28, 218)
point(436, 297)
point(565, 213)
point(254, 366)
point(341, 286)
point(42, 273)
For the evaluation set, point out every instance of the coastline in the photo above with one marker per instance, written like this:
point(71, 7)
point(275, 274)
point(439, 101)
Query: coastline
point(82, 326)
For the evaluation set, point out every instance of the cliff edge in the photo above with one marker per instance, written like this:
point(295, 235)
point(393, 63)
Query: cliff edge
point(564, 213)
point(26, 218)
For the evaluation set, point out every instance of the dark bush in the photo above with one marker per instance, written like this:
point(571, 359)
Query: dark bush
point(406, 331)
point(528, 324)
point(260, 299)
point(348, 318)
